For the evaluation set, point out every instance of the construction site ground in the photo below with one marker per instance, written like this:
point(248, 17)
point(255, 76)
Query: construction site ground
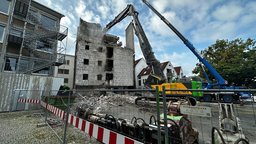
point(21, 126)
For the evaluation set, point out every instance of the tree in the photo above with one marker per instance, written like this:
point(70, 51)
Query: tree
point(234, 60)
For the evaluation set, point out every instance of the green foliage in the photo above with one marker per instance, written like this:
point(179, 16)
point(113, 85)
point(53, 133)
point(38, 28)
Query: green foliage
point(235, 61)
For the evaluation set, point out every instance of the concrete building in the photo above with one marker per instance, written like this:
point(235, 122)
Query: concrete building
point(100, 59)
point(179, 71)
point(66, 71)
point(30, 38)
point(166, 67)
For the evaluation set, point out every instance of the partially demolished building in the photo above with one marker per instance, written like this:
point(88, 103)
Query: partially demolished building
point(100, 59)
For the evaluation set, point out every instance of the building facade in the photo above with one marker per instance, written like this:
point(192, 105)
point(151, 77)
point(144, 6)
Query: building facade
point(30, 38)
point(66, 71)
point(179, 71)
point(100, 59)
point(167, 68)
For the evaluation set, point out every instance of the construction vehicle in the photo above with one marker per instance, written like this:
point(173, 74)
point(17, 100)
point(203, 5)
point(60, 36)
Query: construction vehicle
point(157, 78)
point(230, 127)
point(221, 84)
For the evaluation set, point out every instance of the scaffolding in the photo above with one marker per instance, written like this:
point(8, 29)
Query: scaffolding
point(42, 43)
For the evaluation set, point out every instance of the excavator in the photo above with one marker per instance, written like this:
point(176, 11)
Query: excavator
point(157, 78)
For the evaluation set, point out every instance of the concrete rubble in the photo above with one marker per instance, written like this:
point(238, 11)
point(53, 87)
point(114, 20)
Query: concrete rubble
point(100, 103)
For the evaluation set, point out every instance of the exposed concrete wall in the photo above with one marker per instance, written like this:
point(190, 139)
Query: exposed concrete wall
point(10, 82)
point(91, 34)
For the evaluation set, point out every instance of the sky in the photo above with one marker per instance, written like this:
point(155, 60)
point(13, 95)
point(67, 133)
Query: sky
point(202, 22)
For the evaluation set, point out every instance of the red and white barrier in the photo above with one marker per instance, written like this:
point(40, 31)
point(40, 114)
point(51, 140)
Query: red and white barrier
point(28, 100)
point(102, 134)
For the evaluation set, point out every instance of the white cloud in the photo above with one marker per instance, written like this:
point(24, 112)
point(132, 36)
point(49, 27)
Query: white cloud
point(65, 21)
point(228, 12)
point(104, 10)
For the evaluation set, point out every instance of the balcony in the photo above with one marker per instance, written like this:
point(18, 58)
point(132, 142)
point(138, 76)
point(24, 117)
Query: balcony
point(14, 40)
point(21, 9)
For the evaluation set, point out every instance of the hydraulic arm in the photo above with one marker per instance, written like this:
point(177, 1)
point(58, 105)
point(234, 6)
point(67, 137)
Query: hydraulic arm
point(221, 81)
point(145, 46)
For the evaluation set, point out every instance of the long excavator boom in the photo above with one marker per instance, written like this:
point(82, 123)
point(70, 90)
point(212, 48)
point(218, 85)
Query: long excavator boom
point(158, 76)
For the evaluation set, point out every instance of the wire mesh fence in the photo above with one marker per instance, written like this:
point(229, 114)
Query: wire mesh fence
point(137, 116)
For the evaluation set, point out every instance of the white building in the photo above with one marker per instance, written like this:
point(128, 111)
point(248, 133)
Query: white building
point(139, 65)
point(66, 71)
point(179, 71)
point(167, 68)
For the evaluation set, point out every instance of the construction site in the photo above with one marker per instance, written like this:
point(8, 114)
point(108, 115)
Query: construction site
point(103, 94)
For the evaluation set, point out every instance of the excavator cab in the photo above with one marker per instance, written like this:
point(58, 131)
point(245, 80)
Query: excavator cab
point(153, 80)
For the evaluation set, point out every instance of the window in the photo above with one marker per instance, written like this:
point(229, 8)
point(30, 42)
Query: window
point(23, 65)
point(21, 9)
point(48, 22)
point(4, 6)
point(10, 64)
point(67, 62)
point(65, 80)
point(86, 61)
point(109, 52)
point(139, 82)
point(99, 63)
point(99, 77)
point(45, 45)
point(63, 71)
point(1, 33)
point(85, 76)
point(87, 47)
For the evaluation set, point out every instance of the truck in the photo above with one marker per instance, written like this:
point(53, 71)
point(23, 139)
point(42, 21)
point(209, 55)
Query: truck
point(221, 84)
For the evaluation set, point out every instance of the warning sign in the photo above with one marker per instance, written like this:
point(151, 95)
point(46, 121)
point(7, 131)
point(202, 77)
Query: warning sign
point(196, 110)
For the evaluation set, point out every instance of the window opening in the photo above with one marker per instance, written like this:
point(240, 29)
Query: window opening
point(109, 52)
point(99, 63)
point(48, 22)
point(1, 33)
point(87, 47)
point(65, 80)
point(109, 76)
point(4, 6)
point(67, 62)
point(109, 65)
point(99, 77)
point(10, 64)
point(63, 71)
point(86, 61)
point(85, 76)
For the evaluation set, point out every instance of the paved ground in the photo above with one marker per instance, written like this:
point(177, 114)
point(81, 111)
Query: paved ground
point(16, 128)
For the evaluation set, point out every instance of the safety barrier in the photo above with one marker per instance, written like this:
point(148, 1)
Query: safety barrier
point(102, 134)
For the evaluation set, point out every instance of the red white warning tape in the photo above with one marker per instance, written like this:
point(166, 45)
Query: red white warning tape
point(102, 134)
point(28, 100)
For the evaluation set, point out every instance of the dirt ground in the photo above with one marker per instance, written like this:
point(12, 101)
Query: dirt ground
point(17, 128)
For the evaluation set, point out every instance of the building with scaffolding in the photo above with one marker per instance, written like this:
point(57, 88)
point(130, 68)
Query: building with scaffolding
point(32, 41)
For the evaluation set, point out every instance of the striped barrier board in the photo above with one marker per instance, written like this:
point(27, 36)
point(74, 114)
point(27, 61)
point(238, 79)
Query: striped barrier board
point(100, 133)
point(28, 100)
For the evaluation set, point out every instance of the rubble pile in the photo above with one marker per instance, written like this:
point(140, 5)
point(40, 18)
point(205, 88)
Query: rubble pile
point(102, 102)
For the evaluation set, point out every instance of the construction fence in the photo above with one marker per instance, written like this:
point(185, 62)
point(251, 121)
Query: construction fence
point(128, 117)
